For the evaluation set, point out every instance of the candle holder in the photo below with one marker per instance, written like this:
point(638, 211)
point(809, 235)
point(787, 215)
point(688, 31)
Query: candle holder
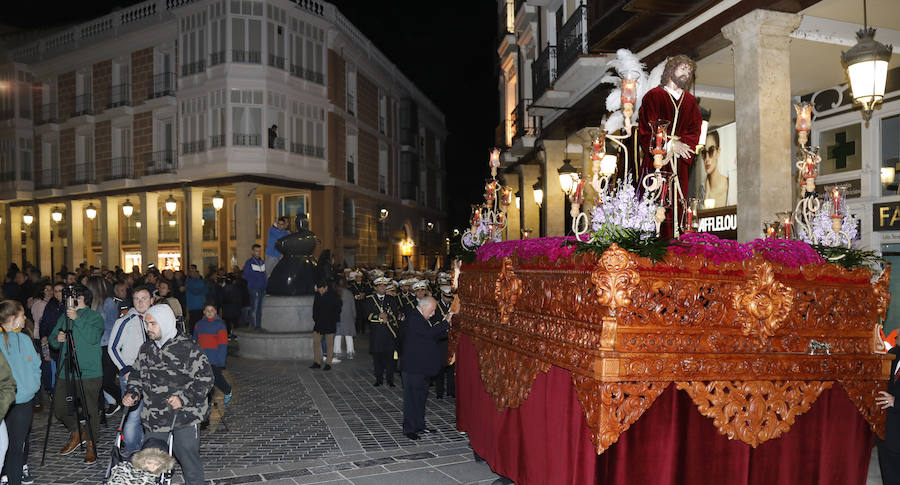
point(488, 220)
point(836, 204)
point(629, 96)
point(807, 165)
point(784, 223)
point(691, 223)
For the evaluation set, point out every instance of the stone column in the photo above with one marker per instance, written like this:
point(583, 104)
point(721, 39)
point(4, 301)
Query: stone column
point(75, 231)
point(322, 218)
point(530, 211)
point(108, 218)
point(41, 256)
point(12, 252)
point(245, 219)
point(193, 225)
point(762, 99)
point(554, 198)
point(513, 225)
point(149, 202)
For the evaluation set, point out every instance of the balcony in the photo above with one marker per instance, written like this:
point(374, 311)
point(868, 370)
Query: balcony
point(119, 96)
point(298, 71)
point(276, 143)
point(382, 184)
point(49, 179)
point(163, 161)
point(249, 57)
point(572, 39)
point(193, 68)
point(193, 147)
point(48, 114)
point(351, 172)
point(216, 58)
point(351, 103)
point(163, 85)
point(245, 140)
point(8, 176)
point(217, 141)
point(84, 173)
point(121, 168)
point(543, 71)
point(308, 150)
point(500, 134)
point(525, 128)
point(82, 105)
point(276, 61)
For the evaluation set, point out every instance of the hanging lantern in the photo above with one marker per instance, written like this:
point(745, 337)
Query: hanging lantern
point(171, 204)
point(538, 189)
point(90, 211)
point(127, 208)
point(866, 64)
point(28, 217)
point(218, 201)
point(567, 176)
point(56, 214)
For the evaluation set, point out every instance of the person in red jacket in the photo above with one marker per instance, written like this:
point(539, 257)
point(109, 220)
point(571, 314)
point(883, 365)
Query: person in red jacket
point(211, 335)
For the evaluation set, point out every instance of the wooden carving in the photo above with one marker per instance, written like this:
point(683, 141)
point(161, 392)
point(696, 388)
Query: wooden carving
point(507, 375)
point(863, 394)
point(753, 411)
point(507, 290)
point(882, 291)
point(610, 408)
point(762, 304)
point(614, 278)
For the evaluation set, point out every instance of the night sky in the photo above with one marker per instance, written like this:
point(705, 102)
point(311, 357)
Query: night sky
point(448, 49)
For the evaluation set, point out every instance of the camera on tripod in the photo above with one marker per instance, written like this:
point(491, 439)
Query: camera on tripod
point(71, 293)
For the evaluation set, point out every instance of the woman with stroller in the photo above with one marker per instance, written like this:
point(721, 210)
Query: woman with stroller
point(26, 370)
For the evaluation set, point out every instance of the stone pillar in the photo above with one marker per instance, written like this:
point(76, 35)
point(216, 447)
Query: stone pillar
point(322, 219)
point(762, 99)
point(14, 223)
point(513, 225)
point(42, 255)
point(108, 218)
point(554, 198)
point(193, 226)
point(75, 231)
point(245, 219)
point(530, 211)
point(7, 255)
point(149, 202)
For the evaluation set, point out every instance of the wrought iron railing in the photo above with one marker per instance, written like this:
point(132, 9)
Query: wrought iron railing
point(163, 161)
point(250, 57)
point(82, 105)
point(523, 124)
point(84, 173)
point(382, 184)
point(121, 168)
point(193, 67)
point(277, 143)
point(217, 141)
point(217, 58)
point(543, 71)
point(8, 176)
point(119, 95)
point(351, 171)
point(276, 61)
point(48, 114)
point(308, 150)
point(241, 139)
point(571, 40)
point(49, 179)
point(193, 146)
point(163, 85)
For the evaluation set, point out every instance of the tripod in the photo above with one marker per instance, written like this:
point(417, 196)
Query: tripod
point(74, 384)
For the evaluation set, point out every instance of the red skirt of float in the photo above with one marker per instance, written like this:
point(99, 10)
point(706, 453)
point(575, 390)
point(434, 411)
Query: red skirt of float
point(546, 441)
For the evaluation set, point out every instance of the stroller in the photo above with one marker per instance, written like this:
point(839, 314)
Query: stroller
point(152, 465)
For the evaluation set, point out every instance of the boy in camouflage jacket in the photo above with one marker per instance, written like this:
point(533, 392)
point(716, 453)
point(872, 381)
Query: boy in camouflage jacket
point(172, 374)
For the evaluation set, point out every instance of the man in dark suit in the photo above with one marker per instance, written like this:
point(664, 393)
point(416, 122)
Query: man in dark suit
point(421, 361)
point(889, 449)
point(381, 312)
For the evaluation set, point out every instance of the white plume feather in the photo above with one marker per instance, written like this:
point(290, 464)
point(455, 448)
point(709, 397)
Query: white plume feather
point(614, 100)
point(615, 122)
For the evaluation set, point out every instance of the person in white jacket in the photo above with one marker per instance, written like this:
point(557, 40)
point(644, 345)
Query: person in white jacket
point(125, 341)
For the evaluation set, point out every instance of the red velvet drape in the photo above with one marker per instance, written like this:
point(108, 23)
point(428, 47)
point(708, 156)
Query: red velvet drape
point(546, 440)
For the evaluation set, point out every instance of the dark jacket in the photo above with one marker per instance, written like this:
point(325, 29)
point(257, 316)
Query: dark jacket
point(7, 385)
point(420, 345)
point(178, 368)
point(231, 301)
point(383, 335)
point(51, 315)
point(892, 425)
point(326, 312)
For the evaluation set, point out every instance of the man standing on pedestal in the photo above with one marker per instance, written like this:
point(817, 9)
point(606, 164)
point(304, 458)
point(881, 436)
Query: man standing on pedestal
point(255, 274)
point(671, 103)
point(421, 361)
point(276, 232)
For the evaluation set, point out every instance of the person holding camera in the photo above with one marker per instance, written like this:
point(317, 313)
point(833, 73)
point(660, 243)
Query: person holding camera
point(85, 327)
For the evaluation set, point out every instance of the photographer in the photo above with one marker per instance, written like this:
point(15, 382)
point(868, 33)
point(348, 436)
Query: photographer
point(86, 327)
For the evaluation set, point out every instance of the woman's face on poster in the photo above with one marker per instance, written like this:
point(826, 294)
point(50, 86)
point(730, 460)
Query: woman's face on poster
point(711, 155)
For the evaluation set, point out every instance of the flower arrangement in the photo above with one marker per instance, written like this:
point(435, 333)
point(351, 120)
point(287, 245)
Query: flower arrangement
point(552, 247)
point(482, 235)
point(711, 247)
point(821, 225)
point(623, 209)
point(790, 253)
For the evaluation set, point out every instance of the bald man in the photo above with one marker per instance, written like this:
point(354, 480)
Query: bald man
point(421, 360)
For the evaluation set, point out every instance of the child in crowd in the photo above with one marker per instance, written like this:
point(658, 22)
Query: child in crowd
point(211, 335)
point(26, 370)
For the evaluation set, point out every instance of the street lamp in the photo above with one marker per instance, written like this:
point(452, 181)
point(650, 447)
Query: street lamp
point(90, 211)
point(568, 175)
point(56, 214)
point(866, 64)
point(218, 201)
point(171, 204)
point(538, 189)
point(383, 215)
point(127, 208)
point(518, 201)
point(27, 217)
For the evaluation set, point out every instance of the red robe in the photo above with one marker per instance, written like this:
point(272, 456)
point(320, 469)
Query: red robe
point(658, 105)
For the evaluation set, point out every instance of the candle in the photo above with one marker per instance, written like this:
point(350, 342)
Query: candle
point(835, 202)
point(489, 191)
point(804, 121)
point(629, 94)
point(495, 161)
point(770, 232)
point(577, 196)
point(787, 228)
point(505, 196)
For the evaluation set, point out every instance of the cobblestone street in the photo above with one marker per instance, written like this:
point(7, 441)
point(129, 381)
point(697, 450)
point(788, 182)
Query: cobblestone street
point(288, 424)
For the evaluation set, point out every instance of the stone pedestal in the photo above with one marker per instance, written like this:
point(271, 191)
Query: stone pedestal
point(288, 325)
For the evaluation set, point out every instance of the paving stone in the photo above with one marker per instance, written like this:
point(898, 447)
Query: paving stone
point(374, 462)
point(447, 460)
point(469, 472)
point(410, 477)
point(361, 472)
point(288, 474)
point(415, 456)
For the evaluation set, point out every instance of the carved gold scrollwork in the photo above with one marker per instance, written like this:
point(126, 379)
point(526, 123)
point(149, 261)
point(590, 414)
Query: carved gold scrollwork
point(754, 411)
point(863, 394)
point(507, 290)
point(615, 278)
point(882, 292)
point(507, 375)
point(610, 408)
point(762, 304)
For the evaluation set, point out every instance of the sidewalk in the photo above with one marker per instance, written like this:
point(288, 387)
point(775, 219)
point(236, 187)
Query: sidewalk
point(288, 424)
